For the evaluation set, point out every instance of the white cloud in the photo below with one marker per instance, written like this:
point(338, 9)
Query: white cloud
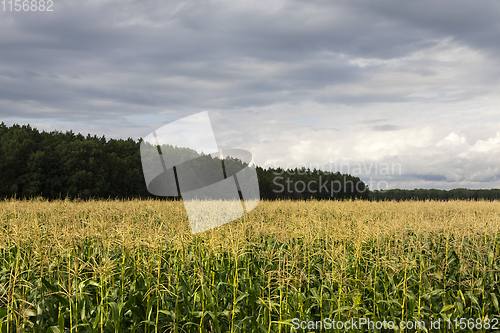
point(489, 146)
point(452, 141)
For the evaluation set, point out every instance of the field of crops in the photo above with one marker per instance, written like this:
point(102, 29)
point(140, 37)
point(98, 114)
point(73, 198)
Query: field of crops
point(134, 266)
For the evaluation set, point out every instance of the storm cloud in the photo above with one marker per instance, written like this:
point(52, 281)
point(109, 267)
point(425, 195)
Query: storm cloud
point(414, 83)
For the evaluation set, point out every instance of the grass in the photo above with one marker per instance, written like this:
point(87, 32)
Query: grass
point(134, 266)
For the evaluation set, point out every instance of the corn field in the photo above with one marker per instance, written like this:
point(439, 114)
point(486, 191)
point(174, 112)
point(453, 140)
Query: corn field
point(135, 266)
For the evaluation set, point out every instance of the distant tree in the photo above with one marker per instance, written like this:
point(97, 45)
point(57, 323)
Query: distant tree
point(56, 164)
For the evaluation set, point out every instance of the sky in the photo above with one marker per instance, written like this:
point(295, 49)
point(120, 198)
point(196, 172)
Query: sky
point(403, 94)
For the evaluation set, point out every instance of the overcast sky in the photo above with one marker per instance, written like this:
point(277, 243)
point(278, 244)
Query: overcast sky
point(364, 85)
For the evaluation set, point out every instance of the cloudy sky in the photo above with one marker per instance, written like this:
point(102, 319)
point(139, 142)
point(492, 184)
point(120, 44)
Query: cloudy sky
point(405, 92)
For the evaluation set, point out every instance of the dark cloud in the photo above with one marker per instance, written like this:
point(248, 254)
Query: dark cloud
point(383, 128)
point(214, 54)
point(473, 23)
point(371, 121)
point(430, 177)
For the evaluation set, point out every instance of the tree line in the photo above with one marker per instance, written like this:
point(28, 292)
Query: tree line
point(67, 165)
point(435, 194)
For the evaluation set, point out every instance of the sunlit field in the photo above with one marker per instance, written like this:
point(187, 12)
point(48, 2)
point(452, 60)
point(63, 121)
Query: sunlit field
point(135, 266)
